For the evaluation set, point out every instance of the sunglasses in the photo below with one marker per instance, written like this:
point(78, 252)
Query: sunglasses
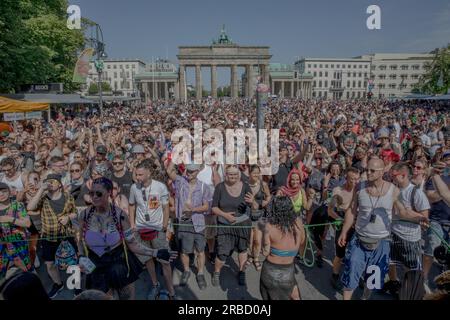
point(98, 194)
point(418, 167)
point(117, 163)
point(75, 170)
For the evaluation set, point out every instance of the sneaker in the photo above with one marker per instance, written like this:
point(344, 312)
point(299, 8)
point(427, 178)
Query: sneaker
point(215, 279)
point(336, 282)
point(185, 278)
point(426, 285)
point(201, 281)
point(37, 263)
point(241, 278)
point(154, 292)
point(319, 261)
point(56, 288)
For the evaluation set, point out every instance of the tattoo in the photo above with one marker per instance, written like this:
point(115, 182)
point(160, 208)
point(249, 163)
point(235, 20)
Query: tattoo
point(129, 235)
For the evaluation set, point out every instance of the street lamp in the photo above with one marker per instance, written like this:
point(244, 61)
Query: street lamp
point(101, 54)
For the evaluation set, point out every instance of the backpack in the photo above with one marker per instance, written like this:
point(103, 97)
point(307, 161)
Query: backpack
point(65, 255)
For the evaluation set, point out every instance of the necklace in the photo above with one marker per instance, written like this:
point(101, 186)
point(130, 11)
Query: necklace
point(378, 197)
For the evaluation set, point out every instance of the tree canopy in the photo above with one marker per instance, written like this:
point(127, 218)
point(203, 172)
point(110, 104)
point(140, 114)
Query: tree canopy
point(436, 79)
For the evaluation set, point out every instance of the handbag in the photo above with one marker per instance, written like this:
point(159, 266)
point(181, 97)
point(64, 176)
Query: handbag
point(148, 235)
point(65, 255)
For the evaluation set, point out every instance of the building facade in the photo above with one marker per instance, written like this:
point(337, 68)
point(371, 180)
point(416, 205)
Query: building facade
point(159, 80)
point(396, 74)
point(287, 82)
point(338, 79)
point(120, 74)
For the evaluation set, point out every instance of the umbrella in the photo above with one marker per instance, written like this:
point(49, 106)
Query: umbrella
point(412, 286)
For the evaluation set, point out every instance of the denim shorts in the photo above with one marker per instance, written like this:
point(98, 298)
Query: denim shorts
point(432, 241)
point(357, 259)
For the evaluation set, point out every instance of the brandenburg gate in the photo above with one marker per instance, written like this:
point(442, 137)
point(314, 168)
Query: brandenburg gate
point(223, 53)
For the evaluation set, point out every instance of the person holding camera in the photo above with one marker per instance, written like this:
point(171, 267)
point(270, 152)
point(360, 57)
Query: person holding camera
point(57, 210)
point(192, 202)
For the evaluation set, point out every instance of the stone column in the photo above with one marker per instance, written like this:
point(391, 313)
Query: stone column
point(282, 89)
point(154, 90)
point(250, 76)
point(265, 74)
point(198, 81)
point(182, 83)
point(292, 90)
point(214, 81)
point(166, 91)
point(234, 81)
point(272, 87)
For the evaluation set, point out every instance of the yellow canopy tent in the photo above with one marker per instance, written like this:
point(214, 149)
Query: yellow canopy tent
point(11, 105)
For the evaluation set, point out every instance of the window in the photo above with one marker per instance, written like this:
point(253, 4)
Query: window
point(348, 84)
point(332, 65)
point(405, 67)
point(127, 66)
point(108, 67)
point(128, 74)
point(365, 84)
point(348, 94)
point(393, 67)
point(115, 74)
point(382, 76)
point(320, 73)
point(325, 94)
point(326, 73)
point(359, 84)
point(365, 67)
point(372, 76)
point(349, 75)
point(354, 74)
point(315, 74)
point(326, 66)
point(415, 76)
point(360, 74)
point(349, 66)
point(320, 84)
point(320, 94)
point(382, 67)
point(315, 84)
point(315, 66)
point(359, 94)
point(353, 94)
point(392, 86)
point(115, 85)
point(114, 67)
point(338, 66)
point(320, 66)
point(360, 66)
point(326, 83)
point(404, 76)
point(393, 76)
point(343, 66)
point(354, 66)
point(133, 66)
point(309, 65)
point(365, 74)
point(415, 67)
point(372, 68)
point(354, 84)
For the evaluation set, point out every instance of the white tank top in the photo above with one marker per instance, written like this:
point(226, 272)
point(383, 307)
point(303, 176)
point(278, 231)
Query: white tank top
point(381, 207)
point(14, 184)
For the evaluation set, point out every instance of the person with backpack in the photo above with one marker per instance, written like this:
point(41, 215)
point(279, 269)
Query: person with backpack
point(405, 235)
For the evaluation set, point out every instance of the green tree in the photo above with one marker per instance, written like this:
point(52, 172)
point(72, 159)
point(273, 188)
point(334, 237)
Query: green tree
point(436, 79)
point(93, 88)
point(35, 44)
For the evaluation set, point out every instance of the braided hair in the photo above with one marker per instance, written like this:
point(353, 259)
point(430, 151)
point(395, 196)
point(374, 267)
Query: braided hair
point(281, 214)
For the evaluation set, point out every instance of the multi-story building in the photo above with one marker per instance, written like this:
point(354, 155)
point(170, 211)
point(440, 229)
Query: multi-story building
point(337, 78)
point(159, 80)
point(395, 74)
point(120, 74)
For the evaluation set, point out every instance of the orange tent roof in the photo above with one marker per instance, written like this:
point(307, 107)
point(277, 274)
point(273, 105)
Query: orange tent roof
point(11, 105)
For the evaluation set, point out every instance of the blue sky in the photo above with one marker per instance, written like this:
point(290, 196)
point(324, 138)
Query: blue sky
point(292, 28)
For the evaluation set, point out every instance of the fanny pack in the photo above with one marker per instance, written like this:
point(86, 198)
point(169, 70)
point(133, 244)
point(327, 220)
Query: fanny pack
point(148, 235)
point(368, 243)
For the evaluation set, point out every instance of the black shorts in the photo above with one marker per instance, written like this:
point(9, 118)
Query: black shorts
point(49, 248)
point(229, 239)
point(406, 252)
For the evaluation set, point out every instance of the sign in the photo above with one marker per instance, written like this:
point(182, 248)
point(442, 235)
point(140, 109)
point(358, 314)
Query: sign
point(17, 116)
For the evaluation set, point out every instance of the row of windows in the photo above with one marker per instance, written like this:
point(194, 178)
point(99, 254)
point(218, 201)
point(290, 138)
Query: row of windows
point(337, 74)
point(394, 76)
point(324, 94)
point(126, 74)
point(393, 86)
point(395, 67)
point(349, 66)
point(127, 66)
point(336, 84)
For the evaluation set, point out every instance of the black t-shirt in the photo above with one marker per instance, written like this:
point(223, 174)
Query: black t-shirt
point(58, 204)
point(125, 182)
point(280, 178)
point(439, 211)
point(225, 202)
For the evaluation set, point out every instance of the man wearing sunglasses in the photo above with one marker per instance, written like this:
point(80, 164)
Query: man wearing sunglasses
point(372, 209)
point(57, 210)
point(149, 215)
point(405, 237)
point(121, 175)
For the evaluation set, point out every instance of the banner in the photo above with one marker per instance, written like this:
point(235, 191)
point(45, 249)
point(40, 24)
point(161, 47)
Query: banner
point(82, 67)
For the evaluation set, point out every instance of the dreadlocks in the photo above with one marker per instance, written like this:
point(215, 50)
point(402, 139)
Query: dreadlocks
point(281, 214)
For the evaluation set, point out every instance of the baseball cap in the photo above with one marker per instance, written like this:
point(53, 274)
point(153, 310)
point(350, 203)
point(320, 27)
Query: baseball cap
point(138, 148)
point(101, 149)
point(53, 176)
point(193, 167)
point(3, 186)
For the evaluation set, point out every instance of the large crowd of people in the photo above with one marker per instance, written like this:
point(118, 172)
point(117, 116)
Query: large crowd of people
point(103, 192)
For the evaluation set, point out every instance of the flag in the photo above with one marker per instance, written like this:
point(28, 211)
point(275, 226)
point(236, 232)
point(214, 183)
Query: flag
point(82, 67)
point(440, 82)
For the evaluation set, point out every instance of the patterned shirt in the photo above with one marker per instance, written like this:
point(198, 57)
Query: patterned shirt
point(51, 228)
